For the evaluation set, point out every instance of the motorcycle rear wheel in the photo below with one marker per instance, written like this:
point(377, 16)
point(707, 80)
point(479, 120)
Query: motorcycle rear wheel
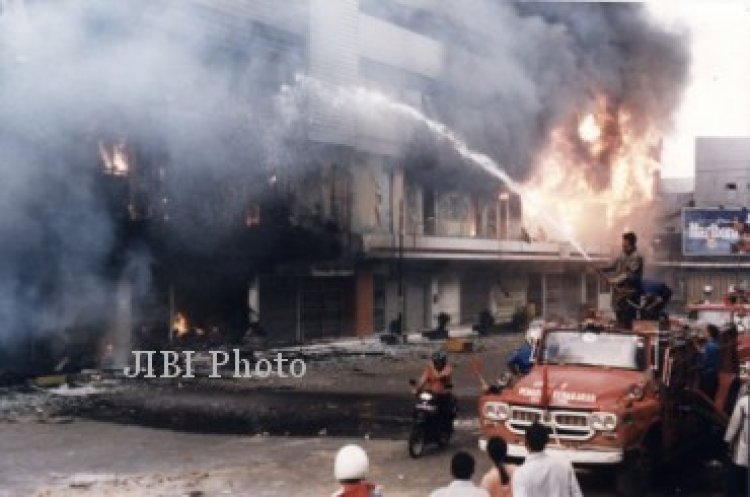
point(444, 439)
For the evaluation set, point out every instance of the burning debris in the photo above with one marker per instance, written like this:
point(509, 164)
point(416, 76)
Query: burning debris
point(180, 326)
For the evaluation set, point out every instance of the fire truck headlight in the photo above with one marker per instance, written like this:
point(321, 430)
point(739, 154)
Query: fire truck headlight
point(603, 421)
point(496, 411)
point(744, 370)
point(636, 392)
point(610, 422)
point(596, 421)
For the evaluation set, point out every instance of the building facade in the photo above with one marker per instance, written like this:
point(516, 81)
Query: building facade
point(414, 244)
point(722, 182)
point(362, 228)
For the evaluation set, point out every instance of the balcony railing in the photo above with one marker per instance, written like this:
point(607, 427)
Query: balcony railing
point(446, 247)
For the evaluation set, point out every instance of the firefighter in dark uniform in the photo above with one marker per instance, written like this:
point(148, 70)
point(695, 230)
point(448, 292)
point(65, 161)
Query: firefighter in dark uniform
point(625, 276)
point(656, 297)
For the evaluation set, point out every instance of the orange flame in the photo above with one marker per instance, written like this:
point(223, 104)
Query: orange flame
point(596, 173)
point(589, 130)
point(180, 324)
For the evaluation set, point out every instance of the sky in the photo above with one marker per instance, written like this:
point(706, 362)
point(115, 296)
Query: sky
point(717, 100)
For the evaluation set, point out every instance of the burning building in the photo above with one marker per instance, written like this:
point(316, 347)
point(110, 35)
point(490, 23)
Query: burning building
point(255, 203)
point(426, 233)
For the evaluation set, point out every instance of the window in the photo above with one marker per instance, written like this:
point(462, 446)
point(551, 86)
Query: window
point(731, 186)
point(586, 348)
point(454, 207)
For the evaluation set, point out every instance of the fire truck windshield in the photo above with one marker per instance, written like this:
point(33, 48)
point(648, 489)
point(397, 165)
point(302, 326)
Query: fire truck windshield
point(716, 317)
point(615, 350)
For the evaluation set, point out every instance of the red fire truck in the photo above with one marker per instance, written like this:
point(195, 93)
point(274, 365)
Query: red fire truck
point(621, 398)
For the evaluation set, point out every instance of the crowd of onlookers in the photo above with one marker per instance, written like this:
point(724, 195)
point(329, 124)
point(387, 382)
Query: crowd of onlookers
point(541, 474)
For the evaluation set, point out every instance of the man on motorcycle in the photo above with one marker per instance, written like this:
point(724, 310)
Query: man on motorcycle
point(437, 379)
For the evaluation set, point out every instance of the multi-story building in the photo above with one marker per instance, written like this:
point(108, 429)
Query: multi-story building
point(416, 242)
point(362, 226)
point(722, 172)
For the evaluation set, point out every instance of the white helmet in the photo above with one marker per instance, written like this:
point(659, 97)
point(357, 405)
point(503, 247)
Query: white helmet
point(351, 463)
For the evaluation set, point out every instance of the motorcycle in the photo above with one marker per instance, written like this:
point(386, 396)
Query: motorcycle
point(429, 426)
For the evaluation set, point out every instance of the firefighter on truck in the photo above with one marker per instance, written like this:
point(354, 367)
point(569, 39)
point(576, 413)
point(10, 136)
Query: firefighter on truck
point(624, 276)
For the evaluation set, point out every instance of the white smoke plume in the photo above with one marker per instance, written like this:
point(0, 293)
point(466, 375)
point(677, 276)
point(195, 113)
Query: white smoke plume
point(163, 75)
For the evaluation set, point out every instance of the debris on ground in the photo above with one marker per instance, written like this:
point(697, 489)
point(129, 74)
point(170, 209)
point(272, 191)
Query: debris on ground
point(53, 399)
point(459, 345)
point(50, 380)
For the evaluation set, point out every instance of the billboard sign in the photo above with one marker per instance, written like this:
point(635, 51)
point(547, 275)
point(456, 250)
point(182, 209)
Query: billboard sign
point(715, 232)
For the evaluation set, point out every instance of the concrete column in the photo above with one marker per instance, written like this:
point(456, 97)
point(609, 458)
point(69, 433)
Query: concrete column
point(434, 309)
point(397, 202)
point(298, 311)
point(498, 221)
point(544, 295)
point(253, 301)
point(120, 341)
point(363, 302)
point(583, 287)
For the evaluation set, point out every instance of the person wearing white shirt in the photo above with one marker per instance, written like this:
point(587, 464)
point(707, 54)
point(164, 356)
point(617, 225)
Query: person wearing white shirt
point(462, 469)
point(737, 438)
point(541, 474)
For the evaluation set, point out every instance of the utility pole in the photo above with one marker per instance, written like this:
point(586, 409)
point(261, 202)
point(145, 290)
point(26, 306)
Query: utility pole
point(170, 333)
point(400, 267)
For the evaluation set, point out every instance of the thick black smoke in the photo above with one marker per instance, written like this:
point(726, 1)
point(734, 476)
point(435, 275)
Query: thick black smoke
point(529, 67)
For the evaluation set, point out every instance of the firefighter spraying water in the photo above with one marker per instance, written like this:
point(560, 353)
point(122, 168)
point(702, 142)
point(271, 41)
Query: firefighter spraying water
point(625, 278)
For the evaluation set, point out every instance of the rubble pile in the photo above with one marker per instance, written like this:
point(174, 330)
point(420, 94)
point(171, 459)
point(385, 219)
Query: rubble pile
point(54, 399)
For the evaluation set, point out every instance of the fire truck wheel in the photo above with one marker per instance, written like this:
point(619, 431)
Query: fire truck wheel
point(634, 474)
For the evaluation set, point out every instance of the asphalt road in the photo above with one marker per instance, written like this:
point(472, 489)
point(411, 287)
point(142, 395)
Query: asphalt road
point(271, 438)
point(86, 458)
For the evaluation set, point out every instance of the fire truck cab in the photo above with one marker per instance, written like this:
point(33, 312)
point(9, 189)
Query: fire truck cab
point(612, 397)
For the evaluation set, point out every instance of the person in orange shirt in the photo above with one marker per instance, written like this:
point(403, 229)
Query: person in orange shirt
point(437, 378)
point(497, 480)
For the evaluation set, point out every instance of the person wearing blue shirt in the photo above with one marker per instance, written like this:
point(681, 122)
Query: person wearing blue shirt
point(657, 296)
point(519, 361)
point(710, 362)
